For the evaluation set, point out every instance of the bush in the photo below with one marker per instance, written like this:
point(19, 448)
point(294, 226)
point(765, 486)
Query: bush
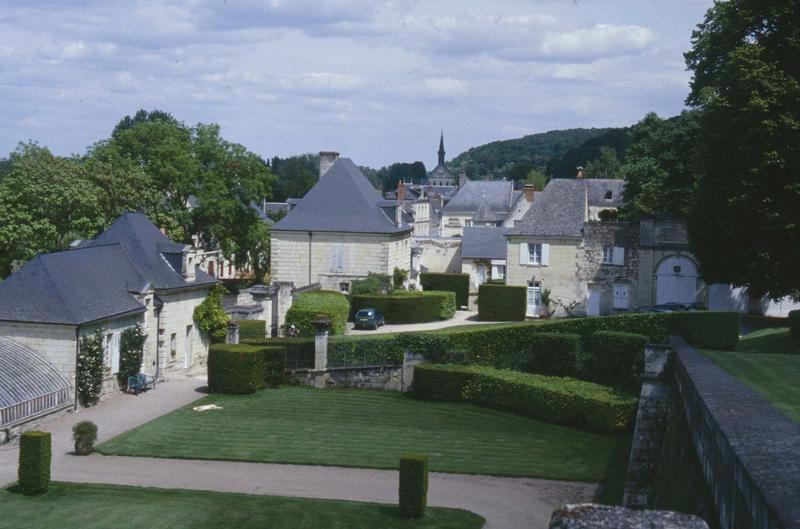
point(501, 303)
point(408, 307)
point(241, 368)
point(33, 472)
point(309, 306)
point(413, 485)
point(618, 358)
point(557, 400)
point(399, 278)
point(372, 284)
point(209, 315)
point(84, 434)
point(252, 331)
point(794, 324)
point(131, 351)
point(706, 329)
point(545, 353)
point(457, 283)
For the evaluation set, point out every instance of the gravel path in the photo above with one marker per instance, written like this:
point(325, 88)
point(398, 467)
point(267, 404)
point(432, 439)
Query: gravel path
point(462, 317)
point(506, 503)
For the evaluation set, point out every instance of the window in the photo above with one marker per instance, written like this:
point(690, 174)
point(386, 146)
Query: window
point(614, 255)
point(535, 253)
point(609, 195)
point(107, 345)
point(173, 343)
point(336, 259)
point(498, 272)
point(620, 296)
point(344, 287)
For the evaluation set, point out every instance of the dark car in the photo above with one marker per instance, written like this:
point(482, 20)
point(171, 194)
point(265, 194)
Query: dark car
point(368, 319)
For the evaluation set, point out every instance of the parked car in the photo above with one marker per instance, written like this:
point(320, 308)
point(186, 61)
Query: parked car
point(368, 318)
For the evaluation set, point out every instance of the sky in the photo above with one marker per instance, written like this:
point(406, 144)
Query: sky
point(375, 81)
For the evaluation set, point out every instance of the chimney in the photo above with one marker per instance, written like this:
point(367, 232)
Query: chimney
point(188, 263)
point(326, 160)
point(579, 173)
point(401, 191)
point(528, 191)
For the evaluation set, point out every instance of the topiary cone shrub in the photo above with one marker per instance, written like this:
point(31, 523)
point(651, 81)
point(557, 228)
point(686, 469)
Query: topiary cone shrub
point(84, 434)
point(413, 485)
point(33, 472)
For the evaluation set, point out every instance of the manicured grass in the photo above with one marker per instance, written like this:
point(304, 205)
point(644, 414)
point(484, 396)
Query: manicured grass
point(772, 340)
point(363, 428)
point(774, 376)
point(80, 506)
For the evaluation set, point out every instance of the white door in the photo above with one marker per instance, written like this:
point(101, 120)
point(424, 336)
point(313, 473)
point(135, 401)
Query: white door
point(534, 298)
point(676, 281)
point(187, 347)
point(593, 303)
point(480, 275)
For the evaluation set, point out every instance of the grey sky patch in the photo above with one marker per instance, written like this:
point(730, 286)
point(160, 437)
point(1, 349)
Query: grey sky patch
point(375, 81)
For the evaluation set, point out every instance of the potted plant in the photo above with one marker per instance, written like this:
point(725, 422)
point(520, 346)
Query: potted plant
point(84, 434)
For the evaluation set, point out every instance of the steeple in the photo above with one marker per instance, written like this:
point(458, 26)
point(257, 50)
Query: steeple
point(441, 149)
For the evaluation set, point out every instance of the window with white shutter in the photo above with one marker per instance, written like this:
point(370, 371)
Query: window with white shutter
point(523, 253)
point(336, 259)
point(545, 255)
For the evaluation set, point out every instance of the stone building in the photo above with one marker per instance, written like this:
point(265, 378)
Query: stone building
point(483, 255)
point(341, 230)
point(594, 267)
point(131, 274)
point(483, 203)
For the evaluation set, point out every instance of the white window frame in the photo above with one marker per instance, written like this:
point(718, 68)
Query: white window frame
point(528, 250)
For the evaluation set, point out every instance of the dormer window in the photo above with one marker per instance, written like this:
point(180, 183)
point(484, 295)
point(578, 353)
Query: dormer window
point(609, 195)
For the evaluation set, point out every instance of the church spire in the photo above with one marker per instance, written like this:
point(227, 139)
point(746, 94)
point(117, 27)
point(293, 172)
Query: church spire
point(441, 149)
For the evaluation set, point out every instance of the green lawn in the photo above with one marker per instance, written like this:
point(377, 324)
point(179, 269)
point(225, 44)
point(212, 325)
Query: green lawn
point(766, 360)
point(363, 428)
point(80, 506)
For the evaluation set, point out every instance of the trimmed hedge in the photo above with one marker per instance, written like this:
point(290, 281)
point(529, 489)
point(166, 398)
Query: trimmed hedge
point(707, 329)
point(84, 434)
point(794, 324)
point(457, 283)
point(544, 353)
point(619, 357)
point(408, 307)
point(35, 454)
point(242, 369)
point(501, 303)
point(379, 349)
point(557, 400)
point(308, 306)
point(413, 485)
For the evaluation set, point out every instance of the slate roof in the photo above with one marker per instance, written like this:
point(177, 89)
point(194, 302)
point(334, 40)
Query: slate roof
point(157, 258)
point(498, 195)
point(484, 243)
point(343, 200)
point(97, 279)
point(72, 287)
point(562, 208)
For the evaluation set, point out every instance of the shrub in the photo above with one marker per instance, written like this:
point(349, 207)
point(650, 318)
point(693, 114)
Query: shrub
point(89, 376)
point(794, 324)
point(210, 317)
point(372, 284)
point(309, 306)
point(399, 278)
point(236, 369)
point(241, 368)
point(706, 329)
point(408, 307)
point(413, 485)
point(252, 331)
point(458, 283)
point(33, 472)
point(618, 357)
point(131, 351)
point(84, 434)
point(380, 349)
point(552, 399)
point(501, 303)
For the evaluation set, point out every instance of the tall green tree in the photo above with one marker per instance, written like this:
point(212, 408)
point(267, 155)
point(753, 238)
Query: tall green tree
point(46, 202)
point(537, 179)
point(606, 165)
point(660, 166)
point(744, 225)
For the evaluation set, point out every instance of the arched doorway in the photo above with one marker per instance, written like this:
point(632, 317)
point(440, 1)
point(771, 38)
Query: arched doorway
point(676, 280)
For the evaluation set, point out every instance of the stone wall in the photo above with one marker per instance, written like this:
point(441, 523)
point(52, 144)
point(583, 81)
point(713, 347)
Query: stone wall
point(590, 516)
point(439, 255)
point(177, 315)
point(604, 277)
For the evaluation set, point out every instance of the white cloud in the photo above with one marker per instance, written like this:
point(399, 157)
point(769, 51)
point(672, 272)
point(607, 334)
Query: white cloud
point(601, 40)
point(322, 82)
point(446, 87)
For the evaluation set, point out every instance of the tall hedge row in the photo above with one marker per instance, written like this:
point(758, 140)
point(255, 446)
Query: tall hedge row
point(501, 303)
point(308, 306)
point(618, 358)
point(408, 307)
point(457, 283)
point(242, 369)
point(35, 453)
point(706, 329)
point(558, 400)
